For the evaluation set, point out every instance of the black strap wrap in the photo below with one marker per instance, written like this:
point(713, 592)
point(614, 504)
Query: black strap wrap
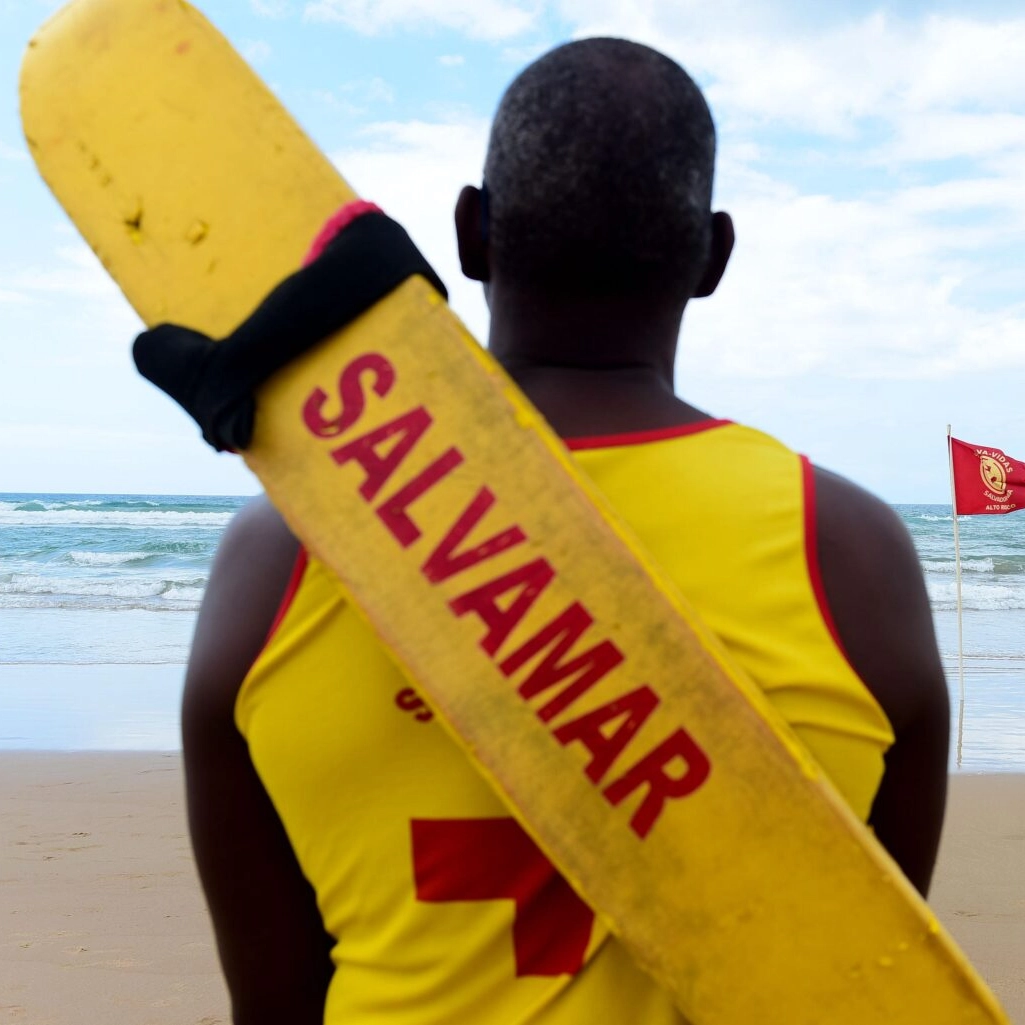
point(215, 382)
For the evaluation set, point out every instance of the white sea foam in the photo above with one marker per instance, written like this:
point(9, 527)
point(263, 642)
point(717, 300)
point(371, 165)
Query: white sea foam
point(967, 566)
point(933, 518)
point(173, 586)
point(986, 597)
point(157, 603)
point(40, 503)
point(103, 559)
point(13, 517)
point(23, 583)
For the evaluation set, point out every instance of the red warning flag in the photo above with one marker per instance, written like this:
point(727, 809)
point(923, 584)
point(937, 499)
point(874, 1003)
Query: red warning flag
point(986, 481)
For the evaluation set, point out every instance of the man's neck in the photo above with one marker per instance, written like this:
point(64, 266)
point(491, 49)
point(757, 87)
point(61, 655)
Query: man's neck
point(591, 367)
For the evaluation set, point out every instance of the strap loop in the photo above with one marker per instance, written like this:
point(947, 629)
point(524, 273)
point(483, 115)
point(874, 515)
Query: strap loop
point(358, 258)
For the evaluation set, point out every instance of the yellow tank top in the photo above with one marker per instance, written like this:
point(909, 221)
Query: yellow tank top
point(442, 909)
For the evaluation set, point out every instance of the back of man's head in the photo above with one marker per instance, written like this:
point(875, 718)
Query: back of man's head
point(599, 174)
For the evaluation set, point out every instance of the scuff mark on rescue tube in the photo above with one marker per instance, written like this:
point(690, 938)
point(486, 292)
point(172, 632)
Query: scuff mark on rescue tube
point(198, 231)
point(133, 223)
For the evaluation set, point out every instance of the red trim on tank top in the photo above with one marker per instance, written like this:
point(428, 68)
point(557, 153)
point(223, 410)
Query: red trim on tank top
point(298, 568)
point(642, 437)
point(811, 555)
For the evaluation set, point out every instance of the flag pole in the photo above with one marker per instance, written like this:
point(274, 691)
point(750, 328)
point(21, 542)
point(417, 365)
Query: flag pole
point(957, 576)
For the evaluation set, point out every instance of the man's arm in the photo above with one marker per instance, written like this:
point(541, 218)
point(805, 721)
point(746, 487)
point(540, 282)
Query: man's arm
point(272, 944)
point(876, 592)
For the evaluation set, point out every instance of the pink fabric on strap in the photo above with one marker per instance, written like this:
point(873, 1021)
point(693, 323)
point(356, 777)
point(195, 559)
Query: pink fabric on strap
point(339, 222)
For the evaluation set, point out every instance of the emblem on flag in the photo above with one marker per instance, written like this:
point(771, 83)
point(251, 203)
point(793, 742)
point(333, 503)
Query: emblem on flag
point(993, 477)
point(986, 481)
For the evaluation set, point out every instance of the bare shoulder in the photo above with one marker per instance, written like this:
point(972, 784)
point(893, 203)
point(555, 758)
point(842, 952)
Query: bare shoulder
point(270, 937)
point(257, 528)
point(877, 596)
point(247, 582)
point(849, 518)
point(876, 592)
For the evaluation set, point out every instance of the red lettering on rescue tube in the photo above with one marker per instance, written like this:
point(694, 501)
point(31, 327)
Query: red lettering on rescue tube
point(559, 636)
point(445, 561)
point(350, 394)
point(394, 511)
point(559, 673)
point(406, 430)
point(528, 580)
point(631, 711)
point(651, 771)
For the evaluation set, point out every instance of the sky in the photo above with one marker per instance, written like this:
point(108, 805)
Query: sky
point(872, 157)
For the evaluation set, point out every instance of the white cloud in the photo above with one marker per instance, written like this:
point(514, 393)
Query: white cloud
point(71, 315)
point(822, 78)
point(48, 435)
point(451, 60)
point(852, 288)
point(520, 56)
point(256, 51)
point(12, 153)
point(75, 272)
point(414, 170)
point(45, 456)
point(965, 61)
point(19, 6)
point(479, 19)
point(273, 9)
point(946, 135)
point(354, 99)
point(377, 90)
point(997, 194)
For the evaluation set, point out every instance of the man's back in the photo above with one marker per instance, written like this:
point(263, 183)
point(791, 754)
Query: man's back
point(592, 234)
point(441, 907)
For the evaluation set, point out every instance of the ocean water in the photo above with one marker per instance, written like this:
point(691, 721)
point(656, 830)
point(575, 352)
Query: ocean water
point(98, 598)
point(73, 674)
point(104, 552)
point(992, 560)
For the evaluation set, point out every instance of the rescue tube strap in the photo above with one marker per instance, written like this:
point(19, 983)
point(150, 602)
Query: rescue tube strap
point(368, 256)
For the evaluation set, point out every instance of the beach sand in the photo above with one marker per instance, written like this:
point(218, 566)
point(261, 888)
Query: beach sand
point(103, 922)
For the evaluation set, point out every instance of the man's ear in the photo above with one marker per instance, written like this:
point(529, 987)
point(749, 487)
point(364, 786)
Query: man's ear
point(470, 236)
point(723, 237)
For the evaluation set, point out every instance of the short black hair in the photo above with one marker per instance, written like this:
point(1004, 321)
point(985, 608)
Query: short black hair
point(599, 173)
